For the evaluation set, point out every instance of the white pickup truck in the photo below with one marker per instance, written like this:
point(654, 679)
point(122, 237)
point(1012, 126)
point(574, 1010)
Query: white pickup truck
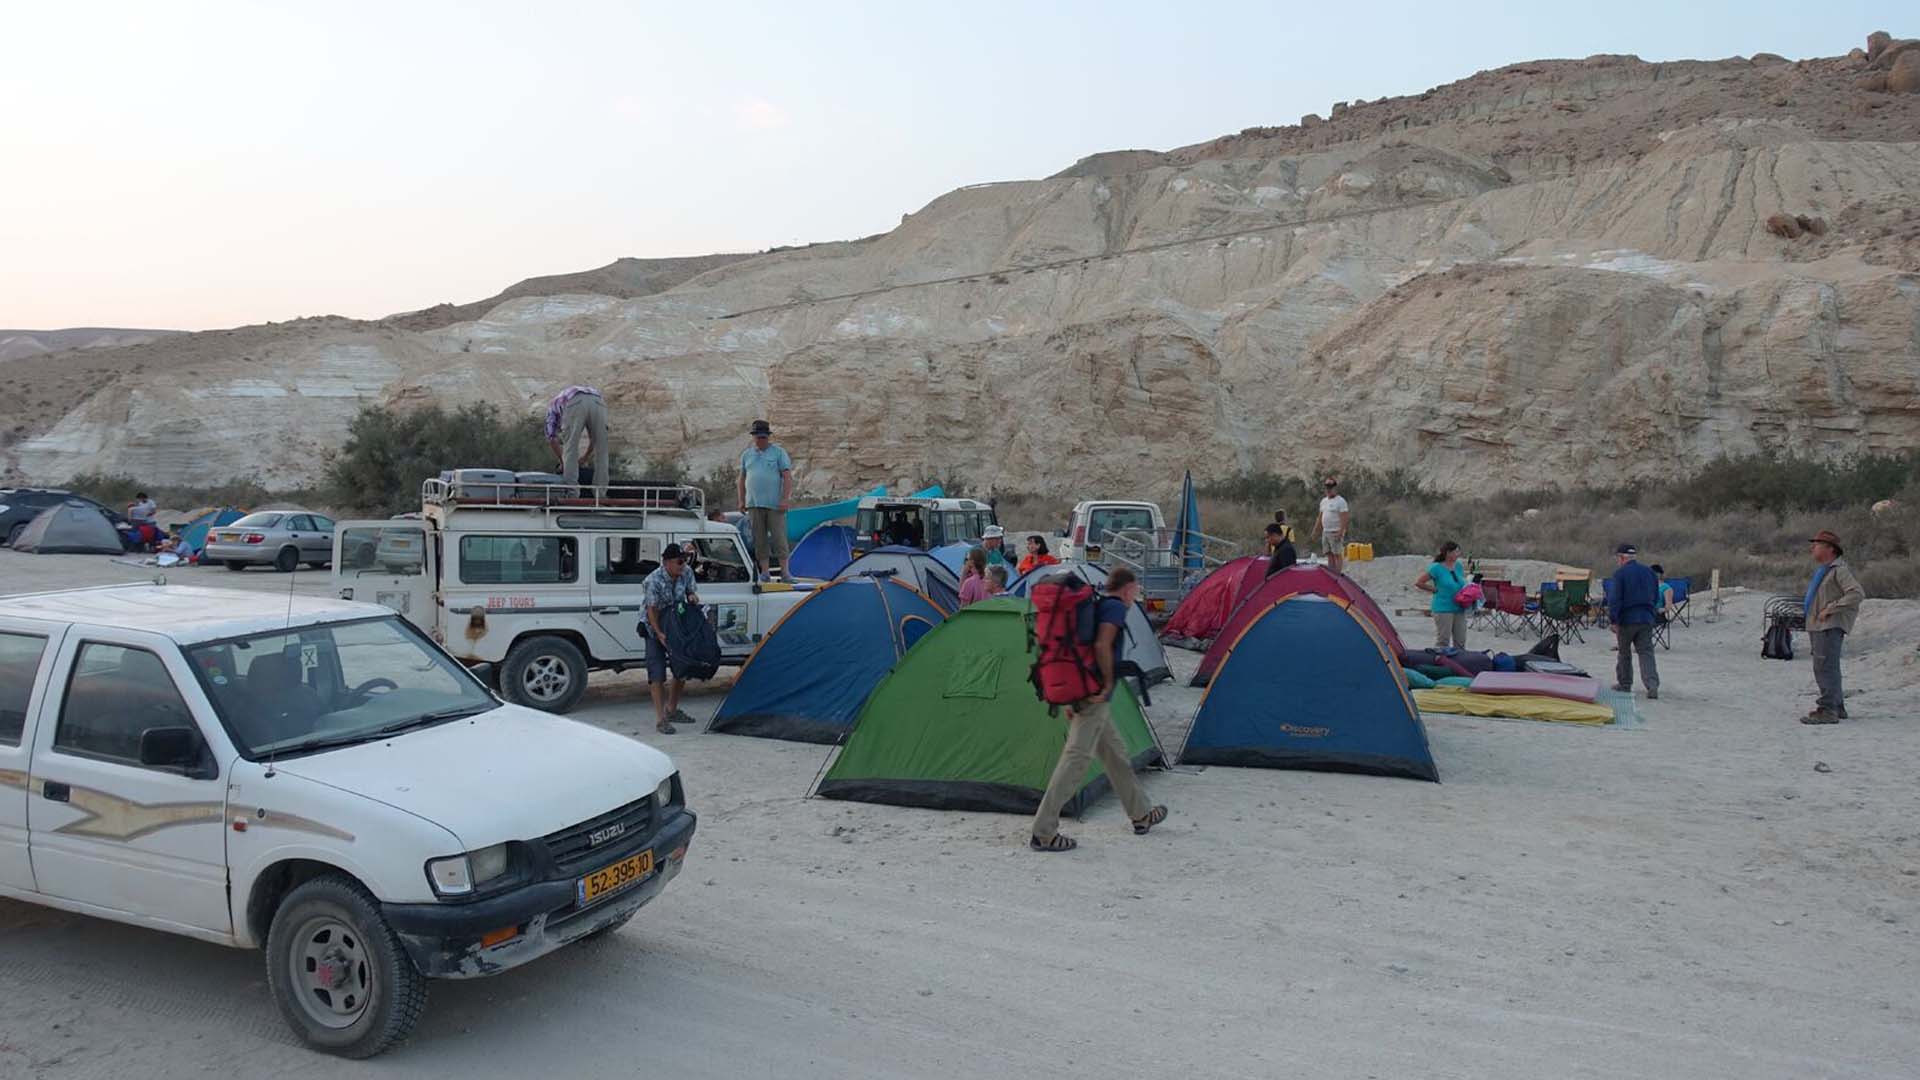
point(1084, 538)
point(318, 780)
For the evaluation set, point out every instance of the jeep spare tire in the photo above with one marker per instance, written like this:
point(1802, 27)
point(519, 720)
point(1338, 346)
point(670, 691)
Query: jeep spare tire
point(546, 672)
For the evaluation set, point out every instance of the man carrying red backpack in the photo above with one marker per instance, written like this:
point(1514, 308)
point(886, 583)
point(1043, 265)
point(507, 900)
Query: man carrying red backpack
point(1076, 671)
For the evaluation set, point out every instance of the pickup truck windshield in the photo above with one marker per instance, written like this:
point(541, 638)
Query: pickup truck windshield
point(1104, 522)
point(318, 686)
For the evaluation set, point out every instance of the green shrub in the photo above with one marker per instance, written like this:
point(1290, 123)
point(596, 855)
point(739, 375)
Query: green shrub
point(389, 452)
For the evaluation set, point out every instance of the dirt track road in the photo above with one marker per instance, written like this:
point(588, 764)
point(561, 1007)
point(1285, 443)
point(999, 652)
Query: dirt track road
point(1683, 898)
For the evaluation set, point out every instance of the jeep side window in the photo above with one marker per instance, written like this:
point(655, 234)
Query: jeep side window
point(625, 560)
point(719, 562)
point(377, 550)
point(518, 560)
point(19, 663)
point(115, 693)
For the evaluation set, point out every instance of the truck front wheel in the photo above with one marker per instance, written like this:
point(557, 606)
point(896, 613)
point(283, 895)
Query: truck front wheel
point(338, 971)
point(545, 672)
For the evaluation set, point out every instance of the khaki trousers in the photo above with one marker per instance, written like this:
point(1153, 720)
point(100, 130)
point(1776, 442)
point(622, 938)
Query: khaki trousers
point(585, 412)
point(1090, 735)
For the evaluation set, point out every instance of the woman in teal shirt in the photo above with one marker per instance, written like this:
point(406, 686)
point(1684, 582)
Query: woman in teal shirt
point(1444, 578)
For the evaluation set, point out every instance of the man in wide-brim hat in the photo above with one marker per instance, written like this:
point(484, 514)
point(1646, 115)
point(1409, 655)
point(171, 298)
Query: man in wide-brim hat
point(1833, 602)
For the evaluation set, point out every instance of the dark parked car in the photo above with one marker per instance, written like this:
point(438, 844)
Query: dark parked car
point(19, 506)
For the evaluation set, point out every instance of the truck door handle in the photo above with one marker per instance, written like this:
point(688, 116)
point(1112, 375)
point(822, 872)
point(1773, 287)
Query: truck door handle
point(607, 611)
point(55, 791)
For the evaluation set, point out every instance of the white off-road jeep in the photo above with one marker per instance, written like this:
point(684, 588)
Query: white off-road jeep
point(545, 583)
point(318, 780)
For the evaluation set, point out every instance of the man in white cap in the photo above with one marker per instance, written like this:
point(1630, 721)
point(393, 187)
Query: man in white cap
point(994, 543)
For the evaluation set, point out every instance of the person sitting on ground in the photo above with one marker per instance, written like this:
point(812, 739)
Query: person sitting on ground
point(973, 585)
point(1037, 555)
point(1446, 581)
point(1280, 519)
point(1280, 550)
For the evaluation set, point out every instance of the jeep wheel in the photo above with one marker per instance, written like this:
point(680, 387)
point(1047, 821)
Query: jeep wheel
point(287, 561)
point(545, 673)
point(338, 971)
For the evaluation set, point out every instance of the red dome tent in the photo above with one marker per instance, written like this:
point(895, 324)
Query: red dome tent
point(1198, 619)
point(1258, 596)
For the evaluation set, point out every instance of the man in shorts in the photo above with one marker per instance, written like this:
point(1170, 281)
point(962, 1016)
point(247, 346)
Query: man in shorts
point(1331, 526)
point(766, 492)
point(670, 585)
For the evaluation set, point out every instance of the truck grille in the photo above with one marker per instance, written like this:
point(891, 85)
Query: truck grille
point(573, 848)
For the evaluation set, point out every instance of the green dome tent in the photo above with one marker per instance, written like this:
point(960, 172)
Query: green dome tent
point(957, 726)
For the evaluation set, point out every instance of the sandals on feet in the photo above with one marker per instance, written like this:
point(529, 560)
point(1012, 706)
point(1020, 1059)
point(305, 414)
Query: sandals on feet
point(1058, 842)
point(664, 727)
point(1141, 825)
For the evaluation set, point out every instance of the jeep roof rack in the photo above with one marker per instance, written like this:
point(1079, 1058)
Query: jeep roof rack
point(622, 495)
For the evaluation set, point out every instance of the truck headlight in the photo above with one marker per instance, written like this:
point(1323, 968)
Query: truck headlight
point(663, 795)
point(459, 875)
point(488, 863)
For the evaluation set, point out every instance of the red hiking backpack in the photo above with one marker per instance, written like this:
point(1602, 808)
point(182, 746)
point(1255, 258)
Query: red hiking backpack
point(1063, 629)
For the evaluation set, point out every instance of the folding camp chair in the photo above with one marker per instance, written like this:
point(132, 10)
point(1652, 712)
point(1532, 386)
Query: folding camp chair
point(1486, 615)
point(1576, 591)
point(1682, 598)
point(1556, 615)
point(1516, 614)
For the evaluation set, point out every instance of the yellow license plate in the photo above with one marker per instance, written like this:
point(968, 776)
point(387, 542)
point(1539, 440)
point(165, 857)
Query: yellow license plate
point(229, 537)
point(608, 880)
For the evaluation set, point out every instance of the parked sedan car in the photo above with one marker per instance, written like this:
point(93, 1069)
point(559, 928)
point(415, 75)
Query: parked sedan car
point(19, 506)
point(282, 539)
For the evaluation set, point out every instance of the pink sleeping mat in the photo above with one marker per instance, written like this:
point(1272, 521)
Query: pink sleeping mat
point(1571, 687)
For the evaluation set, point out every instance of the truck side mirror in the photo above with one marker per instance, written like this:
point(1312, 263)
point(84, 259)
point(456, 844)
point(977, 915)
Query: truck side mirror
point(179, 747)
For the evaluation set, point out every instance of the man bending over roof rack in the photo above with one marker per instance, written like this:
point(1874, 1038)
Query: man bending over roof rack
point(573, 410)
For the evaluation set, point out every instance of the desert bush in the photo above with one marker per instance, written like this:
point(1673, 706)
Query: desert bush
point(390, 451)
point(118, 490)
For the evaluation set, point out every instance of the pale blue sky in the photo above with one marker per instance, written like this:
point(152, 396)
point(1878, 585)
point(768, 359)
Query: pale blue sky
point(208, 164)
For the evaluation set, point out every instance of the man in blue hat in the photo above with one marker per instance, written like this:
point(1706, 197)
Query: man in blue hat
point(1633, 603)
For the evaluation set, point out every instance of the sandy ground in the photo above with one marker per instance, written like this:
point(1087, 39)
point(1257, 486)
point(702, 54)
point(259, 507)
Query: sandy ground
point(1685, 897)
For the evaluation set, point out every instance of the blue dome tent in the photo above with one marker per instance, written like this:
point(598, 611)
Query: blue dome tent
point(813, 672)
point(1310, 684)
point(913, 566)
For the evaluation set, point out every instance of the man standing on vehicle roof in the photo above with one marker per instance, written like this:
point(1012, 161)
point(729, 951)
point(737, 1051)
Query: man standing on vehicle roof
point(1331, 526)
point(766, 493)
point(669, 586)
point(573, 410)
